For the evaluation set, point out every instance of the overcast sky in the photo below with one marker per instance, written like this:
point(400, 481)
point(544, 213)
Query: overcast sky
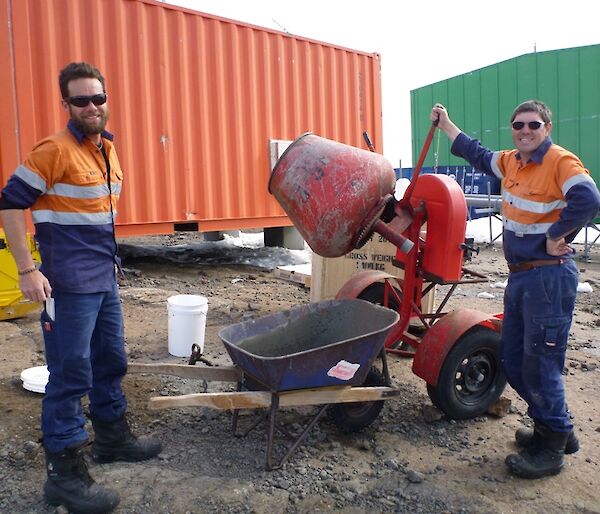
point(421, 42)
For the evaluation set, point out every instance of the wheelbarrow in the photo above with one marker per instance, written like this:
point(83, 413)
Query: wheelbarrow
point(316, 354)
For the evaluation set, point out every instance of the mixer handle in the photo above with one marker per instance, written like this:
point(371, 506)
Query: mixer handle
point(405, 202)
point(402, 243)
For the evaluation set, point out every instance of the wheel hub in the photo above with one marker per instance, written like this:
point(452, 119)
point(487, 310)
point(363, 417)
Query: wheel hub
point(473, 374)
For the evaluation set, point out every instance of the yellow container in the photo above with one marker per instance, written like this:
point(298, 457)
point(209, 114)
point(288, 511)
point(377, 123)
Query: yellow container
point(12, 302)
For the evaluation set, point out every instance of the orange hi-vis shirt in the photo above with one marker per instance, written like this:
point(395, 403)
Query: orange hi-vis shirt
point(72, 188)
point(532, 196)
point(551, 195)
point(72, 179)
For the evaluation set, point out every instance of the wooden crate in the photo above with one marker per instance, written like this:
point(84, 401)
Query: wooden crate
point(329, 275)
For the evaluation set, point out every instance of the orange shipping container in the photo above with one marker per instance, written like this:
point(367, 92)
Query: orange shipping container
point(195, 100)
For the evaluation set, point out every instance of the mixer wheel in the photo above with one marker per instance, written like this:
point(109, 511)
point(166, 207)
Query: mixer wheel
point(375, 294)
point(353, 417)
point(471, 378)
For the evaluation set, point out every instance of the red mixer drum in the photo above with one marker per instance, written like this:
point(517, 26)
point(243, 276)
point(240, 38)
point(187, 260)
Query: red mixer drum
point(331, 191)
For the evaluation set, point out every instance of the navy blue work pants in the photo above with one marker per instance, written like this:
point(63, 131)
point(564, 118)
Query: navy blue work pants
point(85, 355)
point(538, 310)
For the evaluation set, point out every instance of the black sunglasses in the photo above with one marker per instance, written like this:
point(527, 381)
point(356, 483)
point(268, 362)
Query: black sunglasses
point(83, 101)
point(533, 125)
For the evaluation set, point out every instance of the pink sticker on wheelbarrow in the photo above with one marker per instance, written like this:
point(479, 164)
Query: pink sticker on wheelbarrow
point(343, 370)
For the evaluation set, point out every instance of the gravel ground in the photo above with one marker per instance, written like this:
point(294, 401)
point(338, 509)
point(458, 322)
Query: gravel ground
point(411, 459)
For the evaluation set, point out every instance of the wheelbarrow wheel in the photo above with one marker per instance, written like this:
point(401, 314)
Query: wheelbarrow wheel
point(355, 416)
point(471, 378)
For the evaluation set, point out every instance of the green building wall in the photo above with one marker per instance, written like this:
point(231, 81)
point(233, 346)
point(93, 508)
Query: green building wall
point(481, 102)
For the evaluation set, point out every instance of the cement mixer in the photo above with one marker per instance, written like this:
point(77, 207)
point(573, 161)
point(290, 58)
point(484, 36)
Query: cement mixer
point(337, 196)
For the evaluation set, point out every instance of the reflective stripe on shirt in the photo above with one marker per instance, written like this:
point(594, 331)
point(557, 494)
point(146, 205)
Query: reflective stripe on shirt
point(577, 179)
point(531, 206)
point(526, 228)
point(494, 165)
point(30, 178)
point(71, 191)
point(72, 218)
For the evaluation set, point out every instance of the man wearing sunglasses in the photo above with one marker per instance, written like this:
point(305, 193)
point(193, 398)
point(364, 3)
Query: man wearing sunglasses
point(547, 197)
point(71, 181)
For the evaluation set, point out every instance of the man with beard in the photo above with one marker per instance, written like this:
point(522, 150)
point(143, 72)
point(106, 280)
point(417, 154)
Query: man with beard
point(71, 181)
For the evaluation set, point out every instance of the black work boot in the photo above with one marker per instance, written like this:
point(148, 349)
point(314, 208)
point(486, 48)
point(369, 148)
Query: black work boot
point(115, 441)
point(526, 438)
point(544, 458)
point(70, 484)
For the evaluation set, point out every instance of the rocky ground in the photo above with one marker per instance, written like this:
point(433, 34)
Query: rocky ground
point(408, 460)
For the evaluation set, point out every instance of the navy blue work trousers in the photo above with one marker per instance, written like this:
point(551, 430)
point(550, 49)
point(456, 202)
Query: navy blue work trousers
point(538, 310)
point(85, 354)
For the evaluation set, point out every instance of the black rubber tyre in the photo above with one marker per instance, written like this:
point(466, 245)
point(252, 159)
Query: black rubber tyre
point(375, 294)
point(353, 417)
point(471, 378)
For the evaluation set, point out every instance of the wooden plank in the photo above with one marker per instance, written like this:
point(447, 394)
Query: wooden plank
point(223, 401)
point(299, 274)
point(215, 373)
point(261, 399)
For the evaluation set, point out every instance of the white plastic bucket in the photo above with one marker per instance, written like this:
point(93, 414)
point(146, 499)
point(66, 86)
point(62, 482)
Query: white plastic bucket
point(35, 379)
point(187, 323)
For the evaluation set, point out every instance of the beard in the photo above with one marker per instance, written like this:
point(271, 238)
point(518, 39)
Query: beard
point(90, 126)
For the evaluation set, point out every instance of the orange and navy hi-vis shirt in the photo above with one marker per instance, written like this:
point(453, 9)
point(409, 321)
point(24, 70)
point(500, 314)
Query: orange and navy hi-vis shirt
point(72, 188)
point(552, 195)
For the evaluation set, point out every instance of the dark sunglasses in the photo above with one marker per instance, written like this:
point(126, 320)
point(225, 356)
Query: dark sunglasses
point(533, 125)
point(83, 101)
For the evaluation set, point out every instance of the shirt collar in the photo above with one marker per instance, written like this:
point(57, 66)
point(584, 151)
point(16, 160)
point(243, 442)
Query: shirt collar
point(540, 152)
point(80, 136)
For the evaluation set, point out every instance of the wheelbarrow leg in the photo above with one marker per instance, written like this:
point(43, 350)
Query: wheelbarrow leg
point(235, 419)
point(273, 425)
point(270, 431)
point(386, 369)
point(269, 464)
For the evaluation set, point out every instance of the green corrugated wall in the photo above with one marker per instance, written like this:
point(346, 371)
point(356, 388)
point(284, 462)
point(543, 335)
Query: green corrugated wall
point(481, 102)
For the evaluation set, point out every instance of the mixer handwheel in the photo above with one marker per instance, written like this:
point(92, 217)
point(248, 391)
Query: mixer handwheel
point(471, 378)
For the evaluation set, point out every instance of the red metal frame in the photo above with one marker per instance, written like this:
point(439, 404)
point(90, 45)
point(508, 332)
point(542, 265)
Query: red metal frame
point(440, 330)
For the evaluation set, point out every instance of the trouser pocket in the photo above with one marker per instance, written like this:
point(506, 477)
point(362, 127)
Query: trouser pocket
point(550, 334)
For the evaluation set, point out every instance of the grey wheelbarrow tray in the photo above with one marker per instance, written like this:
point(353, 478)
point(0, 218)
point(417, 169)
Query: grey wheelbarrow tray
point(314, 354)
